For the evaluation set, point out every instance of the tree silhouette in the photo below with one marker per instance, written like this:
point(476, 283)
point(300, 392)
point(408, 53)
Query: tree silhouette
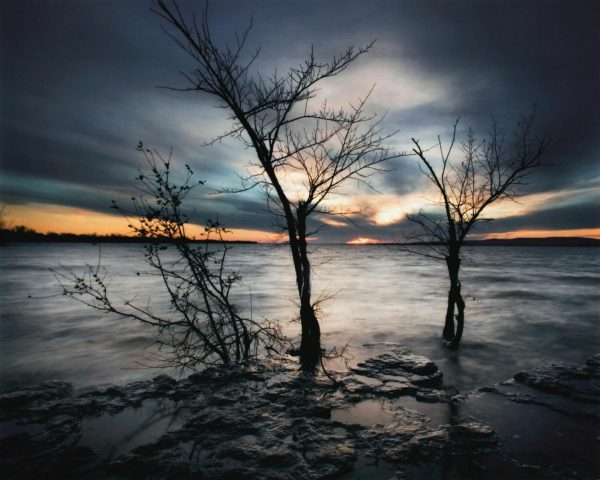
point(302, 154)
point(487, 171)
point(203, 327)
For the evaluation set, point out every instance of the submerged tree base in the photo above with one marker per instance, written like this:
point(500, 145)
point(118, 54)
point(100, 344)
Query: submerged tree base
point(390, 417)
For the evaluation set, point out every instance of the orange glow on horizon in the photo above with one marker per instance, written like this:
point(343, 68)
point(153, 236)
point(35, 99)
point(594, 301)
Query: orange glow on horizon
point(60, 219)
point(363, 241)
point(582, 232)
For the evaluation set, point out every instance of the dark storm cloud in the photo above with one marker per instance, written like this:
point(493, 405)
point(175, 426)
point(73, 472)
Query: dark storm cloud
point(566, 217)
point(502, 56)
point(78, 89)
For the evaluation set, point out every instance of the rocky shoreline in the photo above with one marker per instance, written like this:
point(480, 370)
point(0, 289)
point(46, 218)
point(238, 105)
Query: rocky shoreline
point(389, 417)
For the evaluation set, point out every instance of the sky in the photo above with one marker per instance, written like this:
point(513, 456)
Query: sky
point(79, 88)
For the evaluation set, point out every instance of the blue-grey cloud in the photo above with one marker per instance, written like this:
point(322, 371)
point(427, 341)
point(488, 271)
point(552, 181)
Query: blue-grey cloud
point(78, 91)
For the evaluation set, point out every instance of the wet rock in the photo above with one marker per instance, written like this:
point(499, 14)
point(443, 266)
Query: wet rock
point(580, 382)
point(355, 387)
point(335, 460)
point(164, 383)
point(594, 361)
point(426, 445)
point(547, 420)
point(51, 452)
point(404, 360)
point(432, 396)
point(236, 373)
point(401, 366)
point(471, 436)
point(14, 401)
point(256, 445)
point(433, 380)
point(396, 389)
point(275, 423)
point(310, 411)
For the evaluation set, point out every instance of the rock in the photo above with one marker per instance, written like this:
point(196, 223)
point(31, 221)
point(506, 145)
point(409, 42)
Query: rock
point(401, 360)
point(52, 452)
point(547, 421)
point(335, 460)
point(164, 382)
point(352, 386)
point(401, 366)
point(423, 445)
point(267, 422)
point(433, 380)
point(470, 430)
point(23, 398)
point(580, 382)
point(594, 361)
point(396, 389)
point(471, 437)
point(432, 396)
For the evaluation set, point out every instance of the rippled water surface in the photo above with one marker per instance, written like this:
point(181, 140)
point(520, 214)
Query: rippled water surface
point(525, 306)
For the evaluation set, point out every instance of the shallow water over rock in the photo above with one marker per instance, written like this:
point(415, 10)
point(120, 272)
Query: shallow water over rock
point(366, 468)
point(269, 421)
point(366, 413)
point(111, 435)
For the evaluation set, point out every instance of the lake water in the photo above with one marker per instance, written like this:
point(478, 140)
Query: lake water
point(526, 306)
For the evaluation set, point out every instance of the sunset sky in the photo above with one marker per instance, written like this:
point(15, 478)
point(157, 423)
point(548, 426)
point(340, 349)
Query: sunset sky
point(79, 90)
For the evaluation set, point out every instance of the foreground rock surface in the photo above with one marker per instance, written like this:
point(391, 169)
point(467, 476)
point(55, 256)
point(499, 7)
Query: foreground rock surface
point(270, 421)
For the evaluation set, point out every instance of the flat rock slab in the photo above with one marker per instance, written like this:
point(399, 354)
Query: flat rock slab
point(548, 421)
point(579, 382)
point(396, 373)
point(270, 421)
point(401, 360)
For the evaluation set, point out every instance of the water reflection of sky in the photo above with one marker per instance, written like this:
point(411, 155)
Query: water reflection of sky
point(113, 435)
point(525, 306)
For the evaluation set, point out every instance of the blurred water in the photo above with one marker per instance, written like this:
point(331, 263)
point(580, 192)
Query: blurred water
point(525, 306)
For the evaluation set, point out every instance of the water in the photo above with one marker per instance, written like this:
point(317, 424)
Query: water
point(526, 306)
point(113, 435)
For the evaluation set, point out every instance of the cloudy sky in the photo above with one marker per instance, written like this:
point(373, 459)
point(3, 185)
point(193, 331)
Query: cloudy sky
point(79, 90)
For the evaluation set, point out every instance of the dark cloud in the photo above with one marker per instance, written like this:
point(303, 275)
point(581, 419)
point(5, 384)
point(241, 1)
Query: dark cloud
point(565, 217)
point(78, 91)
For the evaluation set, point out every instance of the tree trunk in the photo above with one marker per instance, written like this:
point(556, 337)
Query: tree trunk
point(460, 319)
point(454, 298)
point(448, 333)
point(310, 345)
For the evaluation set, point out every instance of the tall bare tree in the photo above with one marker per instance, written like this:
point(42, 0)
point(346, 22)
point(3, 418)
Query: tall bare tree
point(303, 154)
point(486, 171)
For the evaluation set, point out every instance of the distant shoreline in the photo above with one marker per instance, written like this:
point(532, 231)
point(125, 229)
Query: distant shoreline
point(513, 242)
point(519, 242)
point(31, 236)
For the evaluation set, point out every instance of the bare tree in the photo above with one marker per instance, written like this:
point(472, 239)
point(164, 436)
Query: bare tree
point(303, 154)
point(205, 327)
point(487, 171)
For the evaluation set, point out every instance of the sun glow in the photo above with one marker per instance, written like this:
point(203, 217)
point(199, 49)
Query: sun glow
point(393, 209)
point(582, 232)
point(363, 241)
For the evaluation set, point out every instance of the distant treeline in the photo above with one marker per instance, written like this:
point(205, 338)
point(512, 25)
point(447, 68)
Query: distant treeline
point(527, 242)
point(24, 234)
